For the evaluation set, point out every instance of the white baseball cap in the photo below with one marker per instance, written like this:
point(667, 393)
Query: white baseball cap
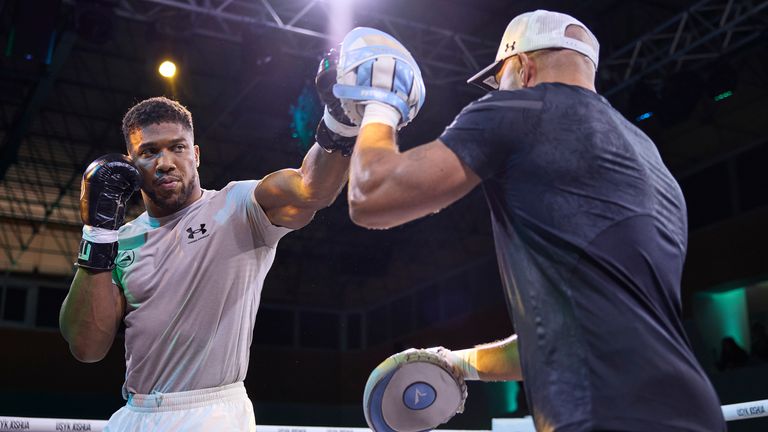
point(533, 31)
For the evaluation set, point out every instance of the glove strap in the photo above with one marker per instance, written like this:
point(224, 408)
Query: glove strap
point(363, 93)
point(338, 127)
point(98, 249)
point(99, 235)
point(330, 141)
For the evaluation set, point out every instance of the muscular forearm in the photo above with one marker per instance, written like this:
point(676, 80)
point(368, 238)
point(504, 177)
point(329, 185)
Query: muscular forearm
point(91, 314)
point(378, 196)
point(388, 188)
point(498, 361)
point(373, 160)
point(323, 175)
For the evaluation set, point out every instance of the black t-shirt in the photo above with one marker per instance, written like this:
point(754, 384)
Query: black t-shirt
point(590, 230)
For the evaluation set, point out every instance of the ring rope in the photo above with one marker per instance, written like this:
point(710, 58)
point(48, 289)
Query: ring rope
point(732, 412)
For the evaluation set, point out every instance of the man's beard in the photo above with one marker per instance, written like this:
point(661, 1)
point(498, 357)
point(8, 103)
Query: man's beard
point(174, 201)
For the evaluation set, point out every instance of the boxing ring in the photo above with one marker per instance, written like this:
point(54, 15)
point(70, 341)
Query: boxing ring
point(732, 412)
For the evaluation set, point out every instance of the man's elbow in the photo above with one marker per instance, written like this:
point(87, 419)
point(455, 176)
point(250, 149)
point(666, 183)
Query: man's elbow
point(367, 198)
point(86, 354)
point(366, 215)
point(320, 199)
point(84, 349)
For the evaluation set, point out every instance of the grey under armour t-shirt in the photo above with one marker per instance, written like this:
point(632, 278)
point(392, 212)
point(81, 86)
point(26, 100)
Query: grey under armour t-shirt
point(192, 283)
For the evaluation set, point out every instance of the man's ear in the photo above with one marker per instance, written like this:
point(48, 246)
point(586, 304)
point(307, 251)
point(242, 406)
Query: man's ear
point(527, 69)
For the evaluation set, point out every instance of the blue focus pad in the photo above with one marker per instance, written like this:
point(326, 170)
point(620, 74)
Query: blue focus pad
point(374, 66)
point(413, 391)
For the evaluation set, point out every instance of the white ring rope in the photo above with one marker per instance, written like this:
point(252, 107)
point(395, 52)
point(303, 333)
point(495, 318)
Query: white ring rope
point(739, 411)
point(745, 410)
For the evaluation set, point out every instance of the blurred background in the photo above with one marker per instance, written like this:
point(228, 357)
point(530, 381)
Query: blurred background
point(339, 299)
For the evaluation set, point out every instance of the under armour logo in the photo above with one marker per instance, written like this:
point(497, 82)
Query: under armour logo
point(192, 232)
point(510, 47)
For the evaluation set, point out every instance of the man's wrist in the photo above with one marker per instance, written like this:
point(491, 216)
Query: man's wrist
point(377, 112)
point(467, 363)
point(96, 256)
point(339, 127)
point(99, 235)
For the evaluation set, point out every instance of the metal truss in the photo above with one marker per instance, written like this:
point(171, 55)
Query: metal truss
point(706, 30)
point(48, 138)
point(703, 32)
point(444, 55)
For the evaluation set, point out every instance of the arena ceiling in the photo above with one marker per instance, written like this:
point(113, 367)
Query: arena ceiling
point(245, 63)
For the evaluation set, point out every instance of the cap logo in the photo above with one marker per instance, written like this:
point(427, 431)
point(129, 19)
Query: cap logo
point(510, 47)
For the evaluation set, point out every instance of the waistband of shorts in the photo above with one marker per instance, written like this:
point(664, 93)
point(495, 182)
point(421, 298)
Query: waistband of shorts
point(159, 402)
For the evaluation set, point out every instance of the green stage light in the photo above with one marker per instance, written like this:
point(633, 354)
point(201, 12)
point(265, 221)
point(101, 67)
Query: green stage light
point(304, 115)
point(723, 95)
point(511, 389)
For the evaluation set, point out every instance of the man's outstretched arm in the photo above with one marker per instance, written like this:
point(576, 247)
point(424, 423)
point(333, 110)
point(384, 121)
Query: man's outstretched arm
point(388, 188)
point(290, 197)
point(497, 361)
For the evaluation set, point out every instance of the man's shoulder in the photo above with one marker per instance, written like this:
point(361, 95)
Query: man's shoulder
point(529, 98)
point(238, 189)
point(239, 185)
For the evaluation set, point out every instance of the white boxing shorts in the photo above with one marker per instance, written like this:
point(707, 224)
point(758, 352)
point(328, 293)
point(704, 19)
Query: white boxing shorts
point(225, 408)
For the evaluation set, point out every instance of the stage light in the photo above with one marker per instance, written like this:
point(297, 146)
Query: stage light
point(722, 82)
point(167, 69)
point(305, 114)
point(342, 22)
point(724, 95)
point(643, 103)
point(644, 116)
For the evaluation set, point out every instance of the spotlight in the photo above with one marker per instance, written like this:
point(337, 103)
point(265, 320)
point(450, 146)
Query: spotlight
point(724, 95)
point(644, 116)
point(167, 69)
point(643, 103)
point(722, 82)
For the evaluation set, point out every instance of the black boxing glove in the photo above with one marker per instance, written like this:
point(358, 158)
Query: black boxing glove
point(336, 132)
point(108, 183)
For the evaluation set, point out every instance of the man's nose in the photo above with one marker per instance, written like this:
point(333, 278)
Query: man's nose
point(165, 161)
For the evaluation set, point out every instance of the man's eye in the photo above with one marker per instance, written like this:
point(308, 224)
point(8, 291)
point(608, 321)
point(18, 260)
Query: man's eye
point(179, 147)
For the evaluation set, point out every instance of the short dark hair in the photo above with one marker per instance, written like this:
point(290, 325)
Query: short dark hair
point(155, 110)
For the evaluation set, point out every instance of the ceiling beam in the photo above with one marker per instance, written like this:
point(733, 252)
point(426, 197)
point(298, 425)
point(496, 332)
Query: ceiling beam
point(9, 149)
point(698, 35)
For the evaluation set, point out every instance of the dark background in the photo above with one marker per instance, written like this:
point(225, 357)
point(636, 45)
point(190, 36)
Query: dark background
point(339, 298)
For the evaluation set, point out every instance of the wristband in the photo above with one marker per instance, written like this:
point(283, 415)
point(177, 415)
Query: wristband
point(96, 256)
point(339, 127)
point(377, 112)
point(98, 249)
point(99, 235)
point(330, 141)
